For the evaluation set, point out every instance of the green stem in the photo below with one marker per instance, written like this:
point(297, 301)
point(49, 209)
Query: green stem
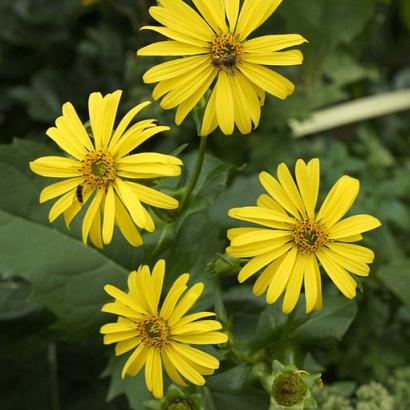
point(52, 360)
point(197, 171)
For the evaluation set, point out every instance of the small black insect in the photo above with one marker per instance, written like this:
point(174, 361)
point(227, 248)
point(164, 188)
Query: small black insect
point(79, 193)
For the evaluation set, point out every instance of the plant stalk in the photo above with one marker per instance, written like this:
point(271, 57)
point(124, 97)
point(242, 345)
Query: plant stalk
point(197, 171)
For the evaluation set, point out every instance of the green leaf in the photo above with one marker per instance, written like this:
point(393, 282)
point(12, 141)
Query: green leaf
point(231, 380)
point(396, 277)
point(67, 277)
point(133, 387)
point(319, 330)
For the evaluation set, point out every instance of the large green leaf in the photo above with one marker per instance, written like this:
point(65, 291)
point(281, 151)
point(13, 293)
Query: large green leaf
point(396, 276)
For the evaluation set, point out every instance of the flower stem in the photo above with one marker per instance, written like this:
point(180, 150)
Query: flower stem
point(197, 171)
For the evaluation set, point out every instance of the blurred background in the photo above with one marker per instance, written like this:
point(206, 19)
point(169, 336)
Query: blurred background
point(57, 51)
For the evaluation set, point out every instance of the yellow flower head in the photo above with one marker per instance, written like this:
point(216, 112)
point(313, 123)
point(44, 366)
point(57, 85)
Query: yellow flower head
point(215, 48)
point(161, 336)
point(295, 237)
point(99, 171)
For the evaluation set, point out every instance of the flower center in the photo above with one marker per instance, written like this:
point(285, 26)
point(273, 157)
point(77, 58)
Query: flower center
point(154, 332)
point(226, 52)
point(309, 236)
point(98, 169)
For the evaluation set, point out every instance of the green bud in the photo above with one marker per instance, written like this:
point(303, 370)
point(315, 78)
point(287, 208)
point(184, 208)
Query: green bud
point(223, 264)
point(288, 389)
point(179, 404)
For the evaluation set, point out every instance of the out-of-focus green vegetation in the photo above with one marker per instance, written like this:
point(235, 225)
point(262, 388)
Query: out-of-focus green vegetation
point(51, 285)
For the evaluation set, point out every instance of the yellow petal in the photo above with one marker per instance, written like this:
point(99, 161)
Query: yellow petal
point(61, 205)
point(56, 167)
point(353, 225)
point(261, 261)
point(178, 16)
point(339, 200)
point(62, 137)
point(261, 216)
point(185, 303)
point(294, 284)
point(348, 250)
point(183, 367)
point(265, 278)
point(176, 35)
point(173, 296)
point(126, 225)
point(253, 14)
point(59, 188)
point(203, 338)
point(126, 345)
point(136, 361)
point(257, 248)
point(124, 298)
point(173, 68)
point(154, 198)
point(232, 11)
point(196, 356)
point(109, 215)
point(224, 103)
point(310, 282)
point(170, 48)
point(279, 194)
point(125, 122)
point(340, 277)
point(171, 370)
point(95, 231)
point(157, 382)
point(279, 58)
point(275, 42)
point(270, 81)
point(92, 210)
point(209, 122)
point(281, 277)
point(351, 265)
point(213, 12)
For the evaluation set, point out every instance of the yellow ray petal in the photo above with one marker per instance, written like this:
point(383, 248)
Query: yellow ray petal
point(136, 361)
point(62, 137)
point(89, 216)
point(126, 345)
point(157, 382)
point(340, 277)
point(261, 216)
point(170, 48)
point(173, 296)
point(288, 184)
point(270, 81)
point(59, 188)
point(125, 122)
point(348, 250)
point(183, 367)
point(171, 370)
point(339, 200)
point(154, 198)
point(126, 225)
point(353, 225)
point(185, 303)
point(275, 42)
point(209, 122)
point(177, 36)
point(232, 12)
point(265, 278)
point(203, 338)
point(178, 16)
point(258, 248)
point(196, 356)
point(294, 284)
point(213, 13)
point(56, 167)
point(124, 298)
point(95, 231)
point(235, 232)
point(253, 14)
point(261, 261)
point(281, 58)
point(173, 68)
point(109, 215)
point(118, 308)
point(61, 205)
point(95, 106)
point(282, 275)
point(224, 103)
point(187, 105)
point(310, 282)
point(351, 265)
point(279, 194)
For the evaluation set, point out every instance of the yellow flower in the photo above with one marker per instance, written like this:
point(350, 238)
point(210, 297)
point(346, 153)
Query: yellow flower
point(214, 46)
point(296, 237)
point(100, 170)
point(161, 336)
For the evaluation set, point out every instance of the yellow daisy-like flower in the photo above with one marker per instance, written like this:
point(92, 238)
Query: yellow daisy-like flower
point(214, 45)
point(295, 237)
point(100, 170)
point(161, 336)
